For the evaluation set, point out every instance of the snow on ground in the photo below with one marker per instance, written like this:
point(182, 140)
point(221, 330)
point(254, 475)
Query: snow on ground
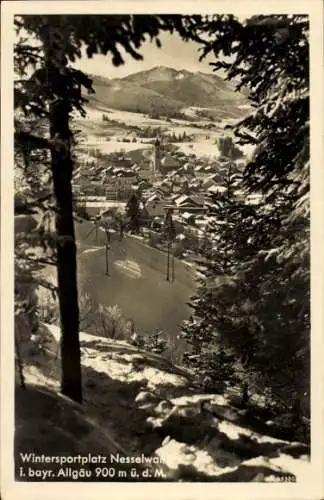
point(129, 267)
point(138, 402)
point(127, 117)
point(247, 150)
point(151, 377)
point(199, 148)
point(93, 249)
point(143, 120)
point(120, 205)
point(203, 143)
point(111, 146)
point(190, 112)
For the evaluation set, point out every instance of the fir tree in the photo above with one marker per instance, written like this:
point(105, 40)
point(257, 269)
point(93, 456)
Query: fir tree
point(133, 213)
point(254, 298)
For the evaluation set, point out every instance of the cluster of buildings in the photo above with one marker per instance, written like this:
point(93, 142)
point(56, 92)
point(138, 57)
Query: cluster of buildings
point(164, 180)
point(182, 183)
point(109, 182)
point(185, 185)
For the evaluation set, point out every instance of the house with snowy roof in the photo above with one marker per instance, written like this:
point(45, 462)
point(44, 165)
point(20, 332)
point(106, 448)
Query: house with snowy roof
point(253, 199)
point(188, 168)
point(155, 205)
point(168, 163)
point(209, 180)
point(188, 217)
point(216, 190)
point(188, 203)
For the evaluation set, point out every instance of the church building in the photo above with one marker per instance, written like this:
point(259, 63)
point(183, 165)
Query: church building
point(162, 164)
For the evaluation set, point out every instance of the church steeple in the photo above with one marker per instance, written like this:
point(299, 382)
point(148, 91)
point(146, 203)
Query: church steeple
point(157, 155)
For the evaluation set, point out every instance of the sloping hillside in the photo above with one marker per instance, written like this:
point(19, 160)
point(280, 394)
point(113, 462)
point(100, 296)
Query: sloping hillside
point(138, 405)
point(165, 91)
point(136, 282)
point(197, 89)
point(158, 73)
point(129, 97)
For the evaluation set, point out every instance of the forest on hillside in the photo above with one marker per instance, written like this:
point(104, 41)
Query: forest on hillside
point(250, 321)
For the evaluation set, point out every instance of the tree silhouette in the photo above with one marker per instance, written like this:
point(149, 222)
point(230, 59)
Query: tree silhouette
point(258, 302)
point(133, 213)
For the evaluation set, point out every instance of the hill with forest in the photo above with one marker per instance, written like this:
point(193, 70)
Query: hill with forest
point(167, 92)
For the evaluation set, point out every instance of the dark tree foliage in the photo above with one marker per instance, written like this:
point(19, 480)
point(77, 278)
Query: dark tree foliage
point(133, 214)
point(270, 60)
point(256, 301)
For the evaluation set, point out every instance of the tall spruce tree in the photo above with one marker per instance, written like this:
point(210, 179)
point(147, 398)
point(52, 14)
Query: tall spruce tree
point(259, 304)
point(217, 260)
point(133, 213)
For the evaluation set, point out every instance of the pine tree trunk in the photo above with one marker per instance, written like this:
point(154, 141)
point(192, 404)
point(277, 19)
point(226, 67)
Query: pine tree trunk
point(71, 384)
point(54, 47)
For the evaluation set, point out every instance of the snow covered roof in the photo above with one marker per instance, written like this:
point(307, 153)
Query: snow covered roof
point(169, 161)
point(210, 177)
point(216, 189)
point(201, 221)
point(181, 199)
point(187, 215)
point(153, 197)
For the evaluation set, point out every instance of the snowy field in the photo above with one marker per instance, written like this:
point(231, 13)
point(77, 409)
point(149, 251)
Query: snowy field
point(199, 148)
point(97, 142)
point(203, 143)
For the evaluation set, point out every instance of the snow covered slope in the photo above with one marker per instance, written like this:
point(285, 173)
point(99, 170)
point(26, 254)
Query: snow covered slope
point(139, 405)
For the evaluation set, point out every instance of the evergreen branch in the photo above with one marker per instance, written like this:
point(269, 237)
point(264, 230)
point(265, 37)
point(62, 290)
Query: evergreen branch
point(37, 260)
point(29, 139)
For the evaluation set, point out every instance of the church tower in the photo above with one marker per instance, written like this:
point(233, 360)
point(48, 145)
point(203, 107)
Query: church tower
point(157, 156)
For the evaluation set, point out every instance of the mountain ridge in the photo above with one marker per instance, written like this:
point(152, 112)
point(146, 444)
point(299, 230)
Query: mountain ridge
point(166, 91)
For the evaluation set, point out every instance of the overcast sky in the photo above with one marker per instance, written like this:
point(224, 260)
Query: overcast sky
point(174, 53)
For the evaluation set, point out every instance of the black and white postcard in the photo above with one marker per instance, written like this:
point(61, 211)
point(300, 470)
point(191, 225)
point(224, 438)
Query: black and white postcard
point(161, 265)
